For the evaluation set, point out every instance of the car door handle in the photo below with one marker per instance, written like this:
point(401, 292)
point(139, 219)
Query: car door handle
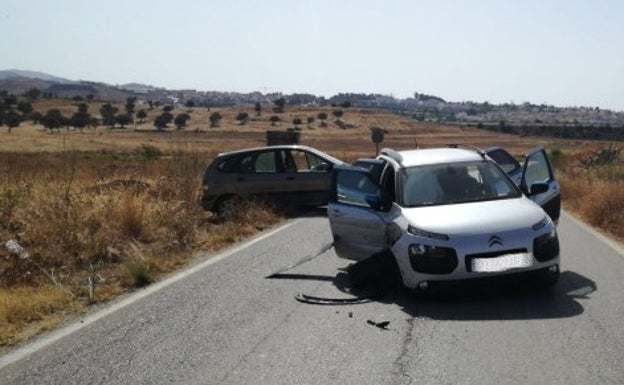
point(337, 213)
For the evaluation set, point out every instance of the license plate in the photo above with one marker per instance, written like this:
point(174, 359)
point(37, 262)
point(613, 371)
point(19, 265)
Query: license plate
point(502, 263)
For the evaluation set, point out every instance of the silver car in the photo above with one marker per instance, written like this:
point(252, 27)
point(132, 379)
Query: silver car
point(286, 174)
point(448, 214)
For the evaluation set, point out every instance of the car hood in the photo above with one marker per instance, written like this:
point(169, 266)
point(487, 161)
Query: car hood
point(476, 217)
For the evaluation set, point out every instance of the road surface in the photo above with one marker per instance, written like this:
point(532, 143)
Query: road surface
point(223, 322)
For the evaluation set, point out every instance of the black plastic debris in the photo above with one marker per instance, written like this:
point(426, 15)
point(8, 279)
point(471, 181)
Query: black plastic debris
point(331, 301)
point(381, 325)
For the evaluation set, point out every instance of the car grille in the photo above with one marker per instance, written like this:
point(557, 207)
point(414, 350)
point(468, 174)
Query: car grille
point(495, 254)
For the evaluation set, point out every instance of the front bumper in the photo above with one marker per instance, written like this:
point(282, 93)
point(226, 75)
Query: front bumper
point(466, 258)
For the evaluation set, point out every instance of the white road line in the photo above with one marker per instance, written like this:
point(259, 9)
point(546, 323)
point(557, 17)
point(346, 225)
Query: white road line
point(36, 345)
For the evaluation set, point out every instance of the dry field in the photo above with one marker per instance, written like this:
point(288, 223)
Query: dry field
point(100, 212)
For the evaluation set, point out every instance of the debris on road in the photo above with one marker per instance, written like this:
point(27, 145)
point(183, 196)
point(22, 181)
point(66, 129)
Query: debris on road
point(381, 325)
point(331, 301)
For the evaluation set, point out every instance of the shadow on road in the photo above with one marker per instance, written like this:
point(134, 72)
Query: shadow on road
point(497, 299)
point(502, 299)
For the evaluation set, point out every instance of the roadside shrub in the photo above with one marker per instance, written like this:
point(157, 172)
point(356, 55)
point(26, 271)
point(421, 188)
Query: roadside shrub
point(148, 152)
point(139, 274)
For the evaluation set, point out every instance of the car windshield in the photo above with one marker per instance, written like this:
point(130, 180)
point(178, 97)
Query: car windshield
point(449, 183)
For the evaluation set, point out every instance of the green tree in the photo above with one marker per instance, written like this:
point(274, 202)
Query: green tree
point(130, 103)
point(189, 104)
point(161, 122)
point(279, 105)
point(258, 108)
point(297, 122)
point(180, 120)
point(274, 119)
point(83, 107)
point(108, 113)
point(123, 119)
point(323, 118)
point(141, 115)
point(338, 113)
point(167, 108)
point(242, 117)
point(80, 120)
point(25, 108)
point(53, 119)
point(33, 94)
point(35, 117)
point(10, 100)
point(12, 119)
point(215, 118)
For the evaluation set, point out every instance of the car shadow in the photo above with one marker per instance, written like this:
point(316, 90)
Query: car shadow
point(479, 300)
point(500, 299)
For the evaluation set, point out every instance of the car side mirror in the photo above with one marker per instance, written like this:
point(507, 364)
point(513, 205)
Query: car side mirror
point(379, 203)
point(537, 188)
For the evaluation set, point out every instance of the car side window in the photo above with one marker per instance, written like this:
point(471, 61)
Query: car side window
point(354, 186)
point(246, 164)
point(265, 162)
point(504, 159)
point(537, 169)
point(316, 163)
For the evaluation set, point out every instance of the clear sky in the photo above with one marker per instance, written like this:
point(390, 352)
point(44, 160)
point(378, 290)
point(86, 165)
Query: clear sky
point(559, 52)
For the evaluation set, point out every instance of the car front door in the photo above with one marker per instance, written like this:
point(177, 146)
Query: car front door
point(358, 230)
point(537, 169)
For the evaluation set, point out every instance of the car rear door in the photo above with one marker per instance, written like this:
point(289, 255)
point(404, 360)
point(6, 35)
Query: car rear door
point(357, 229)
point(307, 177)
point(537, 169)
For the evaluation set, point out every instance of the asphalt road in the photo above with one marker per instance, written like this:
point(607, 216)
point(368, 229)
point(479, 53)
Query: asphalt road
point(223, 322)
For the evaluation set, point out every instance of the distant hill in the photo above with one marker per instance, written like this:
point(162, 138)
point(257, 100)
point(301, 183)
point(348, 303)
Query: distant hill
point(13, 73)
point(507, 117)
point(17, 82)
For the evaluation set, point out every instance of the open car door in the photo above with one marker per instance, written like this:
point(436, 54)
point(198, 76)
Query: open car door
point(358, 230)
point(538, 170)
point(535, 170)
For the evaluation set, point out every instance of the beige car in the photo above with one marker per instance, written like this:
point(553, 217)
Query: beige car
point(285, 175)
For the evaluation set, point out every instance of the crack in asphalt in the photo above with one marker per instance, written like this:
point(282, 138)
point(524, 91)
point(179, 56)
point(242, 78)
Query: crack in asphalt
point(402, 376)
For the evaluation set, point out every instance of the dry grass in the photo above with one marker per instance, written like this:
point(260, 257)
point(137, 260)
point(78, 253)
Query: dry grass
point(98, 216)
point(595, 194)
point(92, 228)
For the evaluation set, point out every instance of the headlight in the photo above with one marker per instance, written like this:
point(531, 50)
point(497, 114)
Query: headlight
point(546, 246)
point(426, 234)
point(545, 221)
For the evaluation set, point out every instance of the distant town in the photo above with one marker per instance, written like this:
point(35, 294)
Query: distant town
point(589, 122)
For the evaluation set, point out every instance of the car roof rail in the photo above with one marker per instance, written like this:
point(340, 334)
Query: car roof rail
point(476, 149)
point(394, 154)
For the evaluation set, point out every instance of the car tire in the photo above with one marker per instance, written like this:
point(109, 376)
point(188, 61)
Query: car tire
point(227, 206)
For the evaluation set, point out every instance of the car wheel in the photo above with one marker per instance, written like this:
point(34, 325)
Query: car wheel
point(228, 206)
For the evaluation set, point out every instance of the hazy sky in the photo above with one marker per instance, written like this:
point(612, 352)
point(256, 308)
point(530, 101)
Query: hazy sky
point(560, 52)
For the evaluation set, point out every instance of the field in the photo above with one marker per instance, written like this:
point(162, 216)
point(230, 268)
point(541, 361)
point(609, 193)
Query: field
point(88, 215)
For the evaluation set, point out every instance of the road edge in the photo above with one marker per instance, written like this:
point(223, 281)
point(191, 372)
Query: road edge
point(45, 340)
